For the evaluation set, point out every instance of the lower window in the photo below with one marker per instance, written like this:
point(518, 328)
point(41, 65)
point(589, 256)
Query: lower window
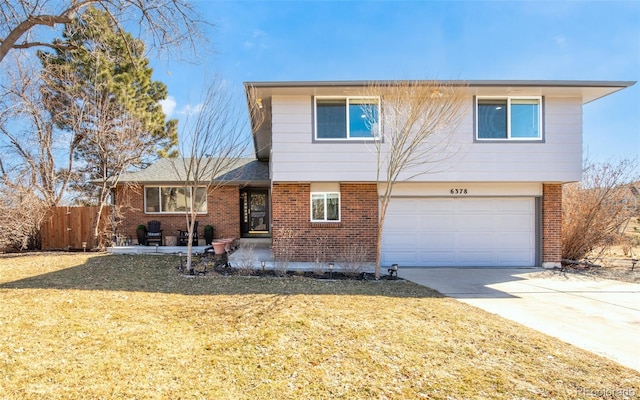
point(325, 207)
point(167, 199)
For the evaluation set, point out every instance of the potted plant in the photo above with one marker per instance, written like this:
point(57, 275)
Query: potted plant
point(208, 234)
point(219, 246)
point(141, 233)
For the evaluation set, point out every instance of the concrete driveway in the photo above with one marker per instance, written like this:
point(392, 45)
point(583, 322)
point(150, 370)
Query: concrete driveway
point(598, 315)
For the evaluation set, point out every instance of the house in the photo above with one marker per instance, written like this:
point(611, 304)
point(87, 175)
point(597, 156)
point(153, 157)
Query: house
point(497, 203)
point(157, 193)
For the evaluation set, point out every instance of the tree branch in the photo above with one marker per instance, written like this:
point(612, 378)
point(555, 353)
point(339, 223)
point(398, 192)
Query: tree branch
point(16, 33)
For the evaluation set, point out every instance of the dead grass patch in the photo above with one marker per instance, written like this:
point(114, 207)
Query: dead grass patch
point(99, 326)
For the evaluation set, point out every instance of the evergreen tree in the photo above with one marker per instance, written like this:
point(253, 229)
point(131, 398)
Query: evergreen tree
point(104, 69)
point(98, 88)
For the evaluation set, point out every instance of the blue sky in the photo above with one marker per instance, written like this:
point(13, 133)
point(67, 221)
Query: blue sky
point(365, 40)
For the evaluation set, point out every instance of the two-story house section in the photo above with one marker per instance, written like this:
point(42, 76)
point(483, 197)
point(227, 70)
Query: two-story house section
point(497, 203)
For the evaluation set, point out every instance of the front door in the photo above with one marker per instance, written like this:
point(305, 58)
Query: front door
point(254, 207)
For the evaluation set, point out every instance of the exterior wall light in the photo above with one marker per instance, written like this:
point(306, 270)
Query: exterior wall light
point(393, 270)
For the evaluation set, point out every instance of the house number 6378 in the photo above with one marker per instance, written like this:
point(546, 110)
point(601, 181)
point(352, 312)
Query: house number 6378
point(458, 191)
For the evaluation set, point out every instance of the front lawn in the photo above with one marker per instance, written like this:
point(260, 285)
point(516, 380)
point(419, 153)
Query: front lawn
point(105, 326)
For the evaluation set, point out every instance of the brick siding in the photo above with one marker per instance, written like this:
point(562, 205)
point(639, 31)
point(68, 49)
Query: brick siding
point(223, 213)
point(296, 238)
point(551, 224)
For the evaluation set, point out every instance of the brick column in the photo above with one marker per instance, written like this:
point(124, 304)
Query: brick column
point(551, 225)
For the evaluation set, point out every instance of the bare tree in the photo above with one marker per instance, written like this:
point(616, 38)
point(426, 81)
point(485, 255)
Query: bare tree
point(31, 139)
point(595, 209)
point(164, 23)
point(415, 126)
point(212, 147)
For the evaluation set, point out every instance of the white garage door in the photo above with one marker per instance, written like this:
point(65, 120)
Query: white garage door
point(460, 232)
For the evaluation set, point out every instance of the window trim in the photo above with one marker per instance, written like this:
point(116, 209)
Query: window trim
point(144, 195)
point(325, 220)
point(348, 138)
point(541, 130)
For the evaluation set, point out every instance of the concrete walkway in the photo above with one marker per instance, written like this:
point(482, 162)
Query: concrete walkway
point(598, 315)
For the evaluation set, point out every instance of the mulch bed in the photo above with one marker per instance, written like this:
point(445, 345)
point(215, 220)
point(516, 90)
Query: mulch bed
point(617, 273)
point(218, 265)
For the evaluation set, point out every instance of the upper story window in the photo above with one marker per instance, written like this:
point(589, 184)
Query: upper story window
point(169, 199)
point(346, 117)
point(508, 118)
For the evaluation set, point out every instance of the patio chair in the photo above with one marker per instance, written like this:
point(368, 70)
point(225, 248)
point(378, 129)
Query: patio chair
point(183, 236)
point(154, 233)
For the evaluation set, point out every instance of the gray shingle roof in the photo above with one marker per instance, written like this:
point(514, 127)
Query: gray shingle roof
point(167, 171)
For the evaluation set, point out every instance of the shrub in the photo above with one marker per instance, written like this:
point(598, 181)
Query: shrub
point(595, 209)
point(246, 259)
point(353, 260)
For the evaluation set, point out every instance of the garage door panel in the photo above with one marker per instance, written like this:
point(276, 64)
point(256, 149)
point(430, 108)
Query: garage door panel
point(476, 240)
point(460, 232)
point(519, 240)
point(401, 257)
point(438, 257)
point(475, 206)
point(401, 240)
point(434, 222)
point(516, 258)
point(401, 223)
point(517, 205)
point(436, 206)
point(515, 223)
point(476, 258)
point(476, 223)
point(436, 241)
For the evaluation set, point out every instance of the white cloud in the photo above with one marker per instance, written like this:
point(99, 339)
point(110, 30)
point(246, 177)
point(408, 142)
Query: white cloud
point(561, 42)
point(168, 106)
point(257, 39)
point(190, 109)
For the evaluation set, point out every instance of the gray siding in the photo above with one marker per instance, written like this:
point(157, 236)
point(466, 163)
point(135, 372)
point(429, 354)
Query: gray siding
point(297, 158)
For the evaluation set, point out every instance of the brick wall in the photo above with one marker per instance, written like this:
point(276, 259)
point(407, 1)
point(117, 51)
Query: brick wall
point(296, 238)
point(551, 225)
point(223, 213)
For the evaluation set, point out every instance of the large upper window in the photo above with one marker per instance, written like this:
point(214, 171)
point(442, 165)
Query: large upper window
point(325, 207)
point(167, 199)
point(347, 117)
point(511, 118)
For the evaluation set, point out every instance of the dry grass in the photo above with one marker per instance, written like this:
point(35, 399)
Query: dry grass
point(115, 327)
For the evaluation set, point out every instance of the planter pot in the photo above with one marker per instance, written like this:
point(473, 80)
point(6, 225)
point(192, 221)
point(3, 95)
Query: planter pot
point(208, 236)
point(219, 246)
point(227, 243)
point(141, 233)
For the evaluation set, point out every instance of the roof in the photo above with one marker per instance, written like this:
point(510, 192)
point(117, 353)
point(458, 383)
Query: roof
point(172, 170)
point(588, 91)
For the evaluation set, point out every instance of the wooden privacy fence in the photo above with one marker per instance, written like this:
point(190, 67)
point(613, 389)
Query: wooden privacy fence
point(68, 227)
